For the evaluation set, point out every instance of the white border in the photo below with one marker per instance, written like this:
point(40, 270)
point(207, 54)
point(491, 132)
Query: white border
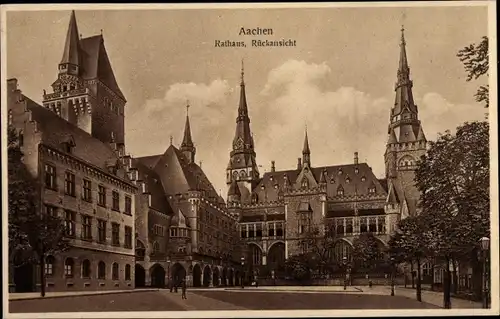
point(293, 313)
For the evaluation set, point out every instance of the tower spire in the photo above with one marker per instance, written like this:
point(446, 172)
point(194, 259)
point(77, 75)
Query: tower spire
point(70, 61)
point(187, 146)
point(306, 152)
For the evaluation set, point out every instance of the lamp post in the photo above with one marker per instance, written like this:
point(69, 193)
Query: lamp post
point(242, 272)
point(168, 275)
point(392, 275)
point(344, 261)
point(485, 246)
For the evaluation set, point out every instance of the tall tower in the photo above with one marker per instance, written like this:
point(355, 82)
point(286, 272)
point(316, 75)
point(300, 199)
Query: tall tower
point(406, 140)
point(187, 147)
point(242, 165)
point(85, 92)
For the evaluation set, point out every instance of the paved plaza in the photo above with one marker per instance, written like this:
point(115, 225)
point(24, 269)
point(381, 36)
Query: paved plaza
point(250, 298)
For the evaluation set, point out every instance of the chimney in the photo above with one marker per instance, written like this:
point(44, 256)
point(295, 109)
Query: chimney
point(299, 163)
point(356, 158)
point(273, 169)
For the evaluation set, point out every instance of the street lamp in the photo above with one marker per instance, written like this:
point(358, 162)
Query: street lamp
point(393, 267)
point(242, 272)
point(168, 274)
point(485, 246)
point(344, 261)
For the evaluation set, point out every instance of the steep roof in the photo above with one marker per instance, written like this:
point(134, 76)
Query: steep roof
point(96, 64)
point(360, 176)
point(71, 52)
point(159, 200)
point(56, 131)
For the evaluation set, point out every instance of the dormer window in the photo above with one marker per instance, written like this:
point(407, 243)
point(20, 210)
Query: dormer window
point(347, 180)
point(356, 170)
point(340, 171)
point(332, 180)
point(371, 190)
point(340, 191)
point(363, 178)
point(305, 183)
point(276, 186)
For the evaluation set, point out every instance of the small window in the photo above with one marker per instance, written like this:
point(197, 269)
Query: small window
point(102, 196)
point(363, 178)
point(128, 205)
point(127, 272)
point(156, 248)
point(86, 269)
point(347, 180)
point(87, 190)
point(128, 237)
point(101, 270)
point(115, 272)
point(69, 265)
point(101, 230)
point(340, 171)
point(69, 186)
point(115, 229)
point(69, 223)
point(49, 265)
point(116, 201)
point(50, 176)
point(86, 227)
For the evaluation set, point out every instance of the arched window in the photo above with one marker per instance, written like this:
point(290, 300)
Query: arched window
point(342, 249)
point(256, 255)
point(101, 270)
point(305, 182)
point(235, 175)
point(243, 174)
point(86, 269)
point(156, 248)
point(69, 265)
point(115, 274)
point(49, 265)
point(340, 190)
point(127, 272)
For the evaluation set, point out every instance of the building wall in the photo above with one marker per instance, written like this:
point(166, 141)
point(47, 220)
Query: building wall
point(58, 281)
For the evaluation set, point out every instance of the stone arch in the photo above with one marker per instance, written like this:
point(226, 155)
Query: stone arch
point(243, 174)
point(254, 254)
point(178, 273)
point(216, 276)
point(276, 255)
point(157, 276)
point(207, 276)
point(342, 248)
point(224, 276)
point(407, 160)
point(197, 279)
point(140, 276)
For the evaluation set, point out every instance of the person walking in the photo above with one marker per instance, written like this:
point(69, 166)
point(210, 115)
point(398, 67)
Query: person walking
point(184, 288)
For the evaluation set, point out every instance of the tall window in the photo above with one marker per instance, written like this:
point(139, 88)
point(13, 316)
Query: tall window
point(128, 237)
point(116, 201)
point(69, 184)
point(69, 265)
point(156, 248)
point(127, 272)
point(87, 190)
point(86, 227)
point(115, 274)
point(101, 230)
point(51, 210)
point(102, 196)
point(50, 176)
point(115, 234)
point(305, 222)
point(101, 270)
point(49, 265)
point(128, 205)
point(69, 223)
point(86, 269)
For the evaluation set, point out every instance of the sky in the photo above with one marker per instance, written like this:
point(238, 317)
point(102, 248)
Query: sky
point(338, 80)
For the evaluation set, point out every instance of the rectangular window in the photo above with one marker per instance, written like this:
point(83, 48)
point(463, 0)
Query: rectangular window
point(270, 231)
point(116, 201)
point(50, 176)
point(69, 223)
point(51, 210)
point(86, 227)
point(87, 190)
point(128, 237)
point(69, 185)
point(115, 229)
point(101, 230)
point(102, 196)
point(128, 205)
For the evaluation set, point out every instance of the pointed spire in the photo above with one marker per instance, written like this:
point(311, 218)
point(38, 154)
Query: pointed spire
point(421, 135)
point(187, 141)
point(403, 60)
point(171, 139)
point(306, 150)
point(392, 137)
point(243, 108)
point(71, 54)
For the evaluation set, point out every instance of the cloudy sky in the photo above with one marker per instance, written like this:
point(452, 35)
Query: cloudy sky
point(339, 79)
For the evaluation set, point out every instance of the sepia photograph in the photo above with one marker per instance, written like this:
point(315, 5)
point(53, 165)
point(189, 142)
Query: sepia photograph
point(231, 160)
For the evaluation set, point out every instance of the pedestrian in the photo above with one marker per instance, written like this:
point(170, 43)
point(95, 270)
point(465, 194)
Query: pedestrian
point(184, 288)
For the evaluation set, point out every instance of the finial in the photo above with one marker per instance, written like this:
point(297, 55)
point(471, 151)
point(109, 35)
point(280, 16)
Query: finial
point(101, 31)
point(171, 139)
point(187, 107)
point(242, 70)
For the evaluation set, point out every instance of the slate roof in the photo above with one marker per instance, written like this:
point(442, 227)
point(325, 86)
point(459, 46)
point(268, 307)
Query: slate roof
point(96, 64)
point(272, 182)
point(55, 131)
point(159, 200)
